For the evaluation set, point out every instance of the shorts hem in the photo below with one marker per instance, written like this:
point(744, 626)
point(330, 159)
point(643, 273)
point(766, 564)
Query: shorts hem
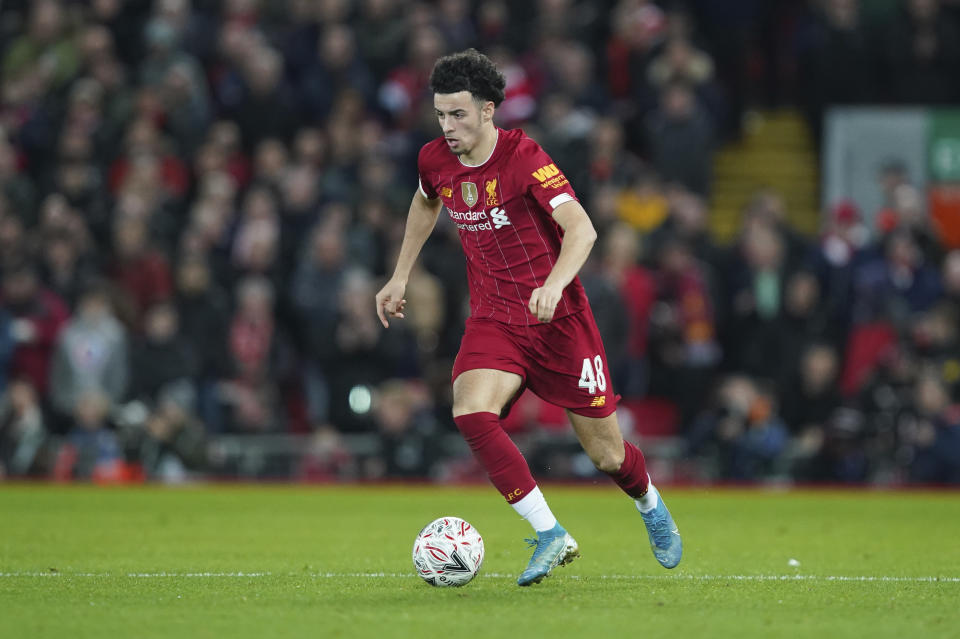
point(517, 370)
point(596, 413)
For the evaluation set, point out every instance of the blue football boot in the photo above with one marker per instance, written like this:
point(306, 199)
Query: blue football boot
point(554, 547)
point(663, 533)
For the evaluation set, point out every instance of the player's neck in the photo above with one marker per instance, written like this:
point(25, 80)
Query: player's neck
point(483, 150)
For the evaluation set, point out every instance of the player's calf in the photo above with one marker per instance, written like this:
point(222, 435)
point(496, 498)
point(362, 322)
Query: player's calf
point(496, 452)
point(631, 473)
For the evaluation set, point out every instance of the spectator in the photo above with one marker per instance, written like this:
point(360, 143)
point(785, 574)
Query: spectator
point(146, 149)
point(891, 176)
point(202, 309)
point(895, 284)
point(317, 281)
point(256, 242)
point(172, 442)
point(93, 449)
point(908, 212)
point(22, 431)
point(767, 207)
point(267, 111)
point(839, 65)
point(224, 140)
point(117, 103)
point(519, 102)
point(682, 62)
point(934, 435)
point(380, 34)
point(270, 162)
point(408, 445)
point(576, 78)
point(566, 130)
point(327, 457)
point(7, 345)
point(186, 104)
point(336, 67)
point(44, 51)
point(951, 277)
point(741, 431)
point(680, 139)
point(756, 289)
point(92, 355)
point(643, 205)
point(12, 240)
point(636, 287)
point(37, 317)
point(922, 51)
point(162, 360)
point(362, 354)
point(683, 333)
point(140, 272)
point(805, 321)
point(814, 395)
point(16, 188)
point(300, 197)
point(637, 29)
point(842, 454)
point(686, 220)
point(190, 27)
point(252, 394)
point(66, 271)
point(401, 94)
point(608, 160)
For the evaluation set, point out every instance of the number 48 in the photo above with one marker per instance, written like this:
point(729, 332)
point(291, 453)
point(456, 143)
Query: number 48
point(591, 376)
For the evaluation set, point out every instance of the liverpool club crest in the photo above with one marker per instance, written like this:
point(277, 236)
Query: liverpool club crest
point(469, 192)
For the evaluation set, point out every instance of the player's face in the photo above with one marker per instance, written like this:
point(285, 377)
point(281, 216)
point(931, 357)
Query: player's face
point(462, 119)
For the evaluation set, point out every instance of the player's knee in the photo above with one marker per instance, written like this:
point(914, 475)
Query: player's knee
point(608, 461)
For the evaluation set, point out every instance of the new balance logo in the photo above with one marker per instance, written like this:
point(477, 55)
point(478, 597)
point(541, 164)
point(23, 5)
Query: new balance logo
point(499, 218)
point(544, 173)
point(599, 401)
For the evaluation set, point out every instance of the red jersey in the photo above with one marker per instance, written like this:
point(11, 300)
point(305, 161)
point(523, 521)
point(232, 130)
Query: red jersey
point(503, 210)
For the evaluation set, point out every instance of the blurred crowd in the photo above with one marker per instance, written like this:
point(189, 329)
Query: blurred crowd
point(199, 198)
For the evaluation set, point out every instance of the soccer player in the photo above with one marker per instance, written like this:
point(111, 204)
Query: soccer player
point(525, 236)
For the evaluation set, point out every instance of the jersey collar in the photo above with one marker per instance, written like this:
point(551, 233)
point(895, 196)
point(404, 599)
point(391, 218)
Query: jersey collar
point(492, 151)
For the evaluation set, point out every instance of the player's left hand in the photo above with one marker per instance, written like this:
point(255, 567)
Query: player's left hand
point(543, 302)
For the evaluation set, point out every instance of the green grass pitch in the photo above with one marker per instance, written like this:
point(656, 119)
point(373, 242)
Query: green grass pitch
point(335, 562)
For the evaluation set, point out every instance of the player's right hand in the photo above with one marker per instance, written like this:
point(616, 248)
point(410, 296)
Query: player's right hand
point(390, 301)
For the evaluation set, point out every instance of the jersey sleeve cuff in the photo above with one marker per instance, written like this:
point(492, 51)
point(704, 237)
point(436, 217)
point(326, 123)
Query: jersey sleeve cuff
point(422, 192)
point(563, 198)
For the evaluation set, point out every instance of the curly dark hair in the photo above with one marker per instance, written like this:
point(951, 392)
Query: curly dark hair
point(470, 71)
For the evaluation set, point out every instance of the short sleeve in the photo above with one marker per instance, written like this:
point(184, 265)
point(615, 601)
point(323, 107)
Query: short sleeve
point(426, 186)
point(541, 177)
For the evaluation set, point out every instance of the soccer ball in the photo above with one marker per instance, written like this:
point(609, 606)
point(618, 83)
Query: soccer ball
point(448, 552)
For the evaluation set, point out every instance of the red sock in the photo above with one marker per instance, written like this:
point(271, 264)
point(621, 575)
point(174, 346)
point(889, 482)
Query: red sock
point(632, 476)
point(497, 453)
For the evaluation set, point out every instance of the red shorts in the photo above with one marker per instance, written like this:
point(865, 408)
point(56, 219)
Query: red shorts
point(562, 362)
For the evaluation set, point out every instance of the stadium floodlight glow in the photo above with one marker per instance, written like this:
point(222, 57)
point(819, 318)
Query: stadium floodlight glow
point(360, 399)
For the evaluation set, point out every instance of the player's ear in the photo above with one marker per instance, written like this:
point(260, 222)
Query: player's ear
point(487, 111)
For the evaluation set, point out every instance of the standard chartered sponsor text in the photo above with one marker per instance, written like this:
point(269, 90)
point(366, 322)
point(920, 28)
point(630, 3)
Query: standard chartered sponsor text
point(471, 220)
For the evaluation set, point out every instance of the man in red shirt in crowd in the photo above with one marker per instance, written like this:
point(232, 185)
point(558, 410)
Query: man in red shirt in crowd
point(525, 237)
